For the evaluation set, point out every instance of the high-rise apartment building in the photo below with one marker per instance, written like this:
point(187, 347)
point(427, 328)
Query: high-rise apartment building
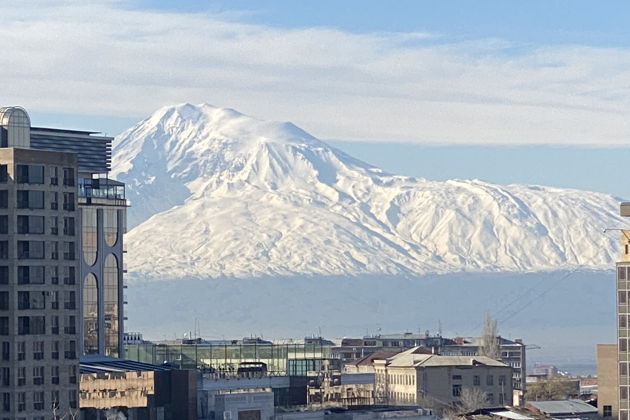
point(623, 319)
point(61, 226)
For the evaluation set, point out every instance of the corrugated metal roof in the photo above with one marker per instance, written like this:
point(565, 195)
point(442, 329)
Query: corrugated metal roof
point(563, 407)
point(510, 415)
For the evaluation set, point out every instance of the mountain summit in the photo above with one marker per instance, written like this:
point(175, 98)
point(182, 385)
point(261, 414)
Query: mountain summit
point(216, 193)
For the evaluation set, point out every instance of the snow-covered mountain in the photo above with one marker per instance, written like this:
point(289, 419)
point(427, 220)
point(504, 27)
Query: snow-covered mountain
point(215, 193)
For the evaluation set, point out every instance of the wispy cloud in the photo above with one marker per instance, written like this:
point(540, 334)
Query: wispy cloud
point(99, 57)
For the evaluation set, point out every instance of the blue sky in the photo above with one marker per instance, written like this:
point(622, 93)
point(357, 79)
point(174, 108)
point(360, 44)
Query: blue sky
point(435, 89)
point(533, 22)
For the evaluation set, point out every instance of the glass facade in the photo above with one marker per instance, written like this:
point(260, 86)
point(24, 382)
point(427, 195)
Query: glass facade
point(90, 314)
point(110, 288)
point(110, 226)
point(225, 359)
point(90, 236)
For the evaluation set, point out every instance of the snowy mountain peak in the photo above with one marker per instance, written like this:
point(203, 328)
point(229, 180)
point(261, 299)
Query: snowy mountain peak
point(245, 197)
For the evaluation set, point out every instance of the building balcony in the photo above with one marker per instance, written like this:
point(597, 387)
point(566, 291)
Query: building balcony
point(102, 191)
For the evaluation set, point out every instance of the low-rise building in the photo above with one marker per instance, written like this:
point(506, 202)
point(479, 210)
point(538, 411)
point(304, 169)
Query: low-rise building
point(137, 390)
point(434, 381)
point(564, 409)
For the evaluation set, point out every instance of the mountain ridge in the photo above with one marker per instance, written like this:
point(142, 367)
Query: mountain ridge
point(216, 193)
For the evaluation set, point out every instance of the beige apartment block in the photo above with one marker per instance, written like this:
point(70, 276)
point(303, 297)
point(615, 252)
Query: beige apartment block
point(623, 319)
point(434, 381)
point(607, 377)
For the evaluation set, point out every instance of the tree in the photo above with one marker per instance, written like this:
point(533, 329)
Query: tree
point(472, 399)
point(553, 389)
point(490, 339)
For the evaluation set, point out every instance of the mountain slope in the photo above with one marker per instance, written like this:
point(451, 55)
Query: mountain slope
point(216, 193)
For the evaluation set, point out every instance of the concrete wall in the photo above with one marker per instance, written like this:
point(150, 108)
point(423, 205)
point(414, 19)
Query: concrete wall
point(607, 379)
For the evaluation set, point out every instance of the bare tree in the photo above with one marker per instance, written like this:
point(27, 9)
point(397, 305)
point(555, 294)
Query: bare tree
point(490, 339)
point(472, 399)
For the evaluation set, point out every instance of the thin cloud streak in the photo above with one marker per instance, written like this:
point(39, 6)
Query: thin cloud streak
point(100, 58)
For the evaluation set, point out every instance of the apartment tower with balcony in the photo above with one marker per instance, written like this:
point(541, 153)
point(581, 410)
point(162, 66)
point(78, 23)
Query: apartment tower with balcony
point(61, 288)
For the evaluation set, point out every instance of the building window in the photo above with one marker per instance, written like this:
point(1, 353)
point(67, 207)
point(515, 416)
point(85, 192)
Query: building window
point(4, 174)
point(38, 400)
point(90, 314)
point(21, 376)
point(68, 201)
point(31, 274)
point(54, 200)
point(30, 224)
point(457, 377)
point(6, 376)
point(72, 398)
point(6, 401)
point(21, 401)
point(38, 350)
point(621, 273)
point(607, 411)
point(31, 325)
point(30, 250)
point(490, 398)
point(68, 251)
point(4, 274)
point(54, 324)
point(4, 325)
point(4, 301)
point(38, 375)
point(54, 225)
point(623, 393)
point(89, 236)
point(489, 380)
point(6, 350)
point(27, 199)
point(21, 350)
point(72, 374)
point(54, 175)
point(54, 374)
point(4, 250)
point(4, 225)
point(68, 177)
point(69, 275)
point(623, 369)
point(71, 325)
point(30, 174)
point(53, 273)
point(457, 390)
point(55, 350)
point(502, 380)
point(71, 353)
point(110, 226)
point(110, 286)
point(54, 299)
point(54, 250)
point(68, 226)
point(4, 199)
point(70, 301)
point(623, 344)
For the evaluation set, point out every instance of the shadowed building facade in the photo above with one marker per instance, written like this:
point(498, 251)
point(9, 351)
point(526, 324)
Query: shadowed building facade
point(61, 226)
point(623, 314)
